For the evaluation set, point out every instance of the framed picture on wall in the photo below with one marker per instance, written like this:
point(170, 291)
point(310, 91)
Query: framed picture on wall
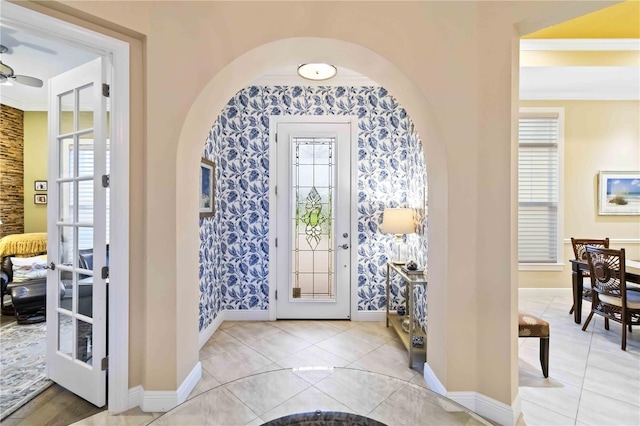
point(619, 193)
point(40, 199)
point(207, 187)
point(40, 185)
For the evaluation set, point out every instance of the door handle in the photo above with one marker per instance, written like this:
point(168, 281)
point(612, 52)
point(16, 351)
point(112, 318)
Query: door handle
point(345, 246)
point(51, 266)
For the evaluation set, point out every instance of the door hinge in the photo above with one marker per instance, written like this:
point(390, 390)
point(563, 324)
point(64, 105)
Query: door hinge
point(276, 189)
point(276, 242)
point(104, 364)
point(276, 294)
point(106, 181)
point(276, 138)
point(105, 90)
point(105, 272)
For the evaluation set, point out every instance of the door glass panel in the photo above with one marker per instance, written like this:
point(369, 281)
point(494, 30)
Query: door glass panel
point(66, 107)
point(65, 205)
point(313, 233)
point(66, 249)
point(66, 290)
point(85, 201)
point(85, 295)
point(65, 334)
point(66, 163)
point(85, 237)
point(85, 158)
point(85, 107)
point(84, 342)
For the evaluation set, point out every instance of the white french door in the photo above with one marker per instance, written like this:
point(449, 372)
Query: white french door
point(77, 233)
point(313, 225)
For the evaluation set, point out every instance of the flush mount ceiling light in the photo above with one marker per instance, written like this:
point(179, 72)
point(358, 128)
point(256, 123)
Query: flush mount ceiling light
point(317, 72)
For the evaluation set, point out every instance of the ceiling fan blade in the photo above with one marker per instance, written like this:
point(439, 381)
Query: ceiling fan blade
point(29, 81)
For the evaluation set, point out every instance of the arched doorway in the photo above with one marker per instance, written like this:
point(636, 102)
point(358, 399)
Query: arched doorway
point(239, 74)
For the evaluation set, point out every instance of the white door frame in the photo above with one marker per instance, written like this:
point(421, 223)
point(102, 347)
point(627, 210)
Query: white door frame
point(274, 120)
point(33, 22)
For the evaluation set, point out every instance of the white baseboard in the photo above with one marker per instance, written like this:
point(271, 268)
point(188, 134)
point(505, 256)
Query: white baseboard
point(496, 411)
point(245, 315)
point(432, 380)
point(369, 316)
point(163, 401)
point(487, 407)
point(135, 396)
point(206, 334)
point(189, 383)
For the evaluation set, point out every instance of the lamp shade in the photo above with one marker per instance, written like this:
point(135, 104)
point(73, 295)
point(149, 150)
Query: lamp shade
point(398, 221)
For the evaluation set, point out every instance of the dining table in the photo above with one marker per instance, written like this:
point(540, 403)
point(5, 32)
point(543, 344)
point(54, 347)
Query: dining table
point(578, 269)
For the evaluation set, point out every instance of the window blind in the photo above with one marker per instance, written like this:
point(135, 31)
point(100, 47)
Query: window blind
point(85, 194)
point(538, 188)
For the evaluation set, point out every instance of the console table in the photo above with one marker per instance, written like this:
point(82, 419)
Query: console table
point(396, 320)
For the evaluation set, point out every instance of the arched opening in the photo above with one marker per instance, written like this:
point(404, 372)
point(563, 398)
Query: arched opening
point(239, 74)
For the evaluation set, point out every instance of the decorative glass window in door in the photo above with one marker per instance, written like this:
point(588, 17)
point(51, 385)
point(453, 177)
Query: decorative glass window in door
point(313, 185)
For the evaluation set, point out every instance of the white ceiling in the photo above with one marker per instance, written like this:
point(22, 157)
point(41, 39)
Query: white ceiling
point(39, 57)
point(42, 57)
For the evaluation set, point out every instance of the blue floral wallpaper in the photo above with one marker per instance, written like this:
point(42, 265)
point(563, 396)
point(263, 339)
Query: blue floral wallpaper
point(234, 250)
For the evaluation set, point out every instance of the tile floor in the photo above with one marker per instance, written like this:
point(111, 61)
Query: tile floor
point(591, 380)
point(252, 372)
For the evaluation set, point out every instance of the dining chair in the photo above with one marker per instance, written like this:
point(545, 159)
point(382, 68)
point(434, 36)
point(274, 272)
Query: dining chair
point(610, 297)
point(579, 250)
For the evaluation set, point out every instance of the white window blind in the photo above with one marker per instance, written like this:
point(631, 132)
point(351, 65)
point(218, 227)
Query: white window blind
point(538, 188)
point(85, 193)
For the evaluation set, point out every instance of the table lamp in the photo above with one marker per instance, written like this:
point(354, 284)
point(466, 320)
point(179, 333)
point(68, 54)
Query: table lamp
point(398, 221)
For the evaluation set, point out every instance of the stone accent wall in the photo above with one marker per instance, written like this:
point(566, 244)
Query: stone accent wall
point(11, 170)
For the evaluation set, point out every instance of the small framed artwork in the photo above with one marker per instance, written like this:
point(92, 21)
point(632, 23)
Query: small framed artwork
point(619, 193)
point(40, 185)
point(40, 199)
point(207, 187)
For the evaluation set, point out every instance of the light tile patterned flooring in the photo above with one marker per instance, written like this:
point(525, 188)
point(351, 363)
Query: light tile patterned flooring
point(251, 374)
point(591, 380)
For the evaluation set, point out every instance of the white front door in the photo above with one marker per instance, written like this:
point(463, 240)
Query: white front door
point(313, 225)
point(77, 235)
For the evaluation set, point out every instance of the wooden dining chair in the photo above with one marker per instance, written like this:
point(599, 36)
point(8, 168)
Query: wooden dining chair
point(610, 297)
point(579, 250)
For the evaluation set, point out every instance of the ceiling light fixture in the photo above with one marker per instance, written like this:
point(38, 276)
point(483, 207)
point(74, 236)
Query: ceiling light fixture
point(317, 71)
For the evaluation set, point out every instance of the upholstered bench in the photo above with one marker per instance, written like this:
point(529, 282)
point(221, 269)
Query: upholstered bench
point(531, 326)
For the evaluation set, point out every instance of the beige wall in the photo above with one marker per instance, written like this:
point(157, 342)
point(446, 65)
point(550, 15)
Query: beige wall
point(35, 168)
point(599, 135)
point(447, 62)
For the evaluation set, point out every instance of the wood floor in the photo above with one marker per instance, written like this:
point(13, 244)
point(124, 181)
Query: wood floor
point(56, 406)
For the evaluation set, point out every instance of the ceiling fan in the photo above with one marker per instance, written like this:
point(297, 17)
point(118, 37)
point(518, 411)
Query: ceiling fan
point(7, 75)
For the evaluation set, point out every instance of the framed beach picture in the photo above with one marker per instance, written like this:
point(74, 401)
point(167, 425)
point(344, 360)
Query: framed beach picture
point(619, 193)
point(207, 187)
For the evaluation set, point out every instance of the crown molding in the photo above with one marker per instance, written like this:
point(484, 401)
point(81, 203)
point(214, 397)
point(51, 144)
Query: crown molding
point(581, 44)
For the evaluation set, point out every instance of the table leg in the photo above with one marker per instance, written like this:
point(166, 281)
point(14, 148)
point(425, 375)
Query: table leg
point(388, 301)
point(576, 279)
point(409, 291)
